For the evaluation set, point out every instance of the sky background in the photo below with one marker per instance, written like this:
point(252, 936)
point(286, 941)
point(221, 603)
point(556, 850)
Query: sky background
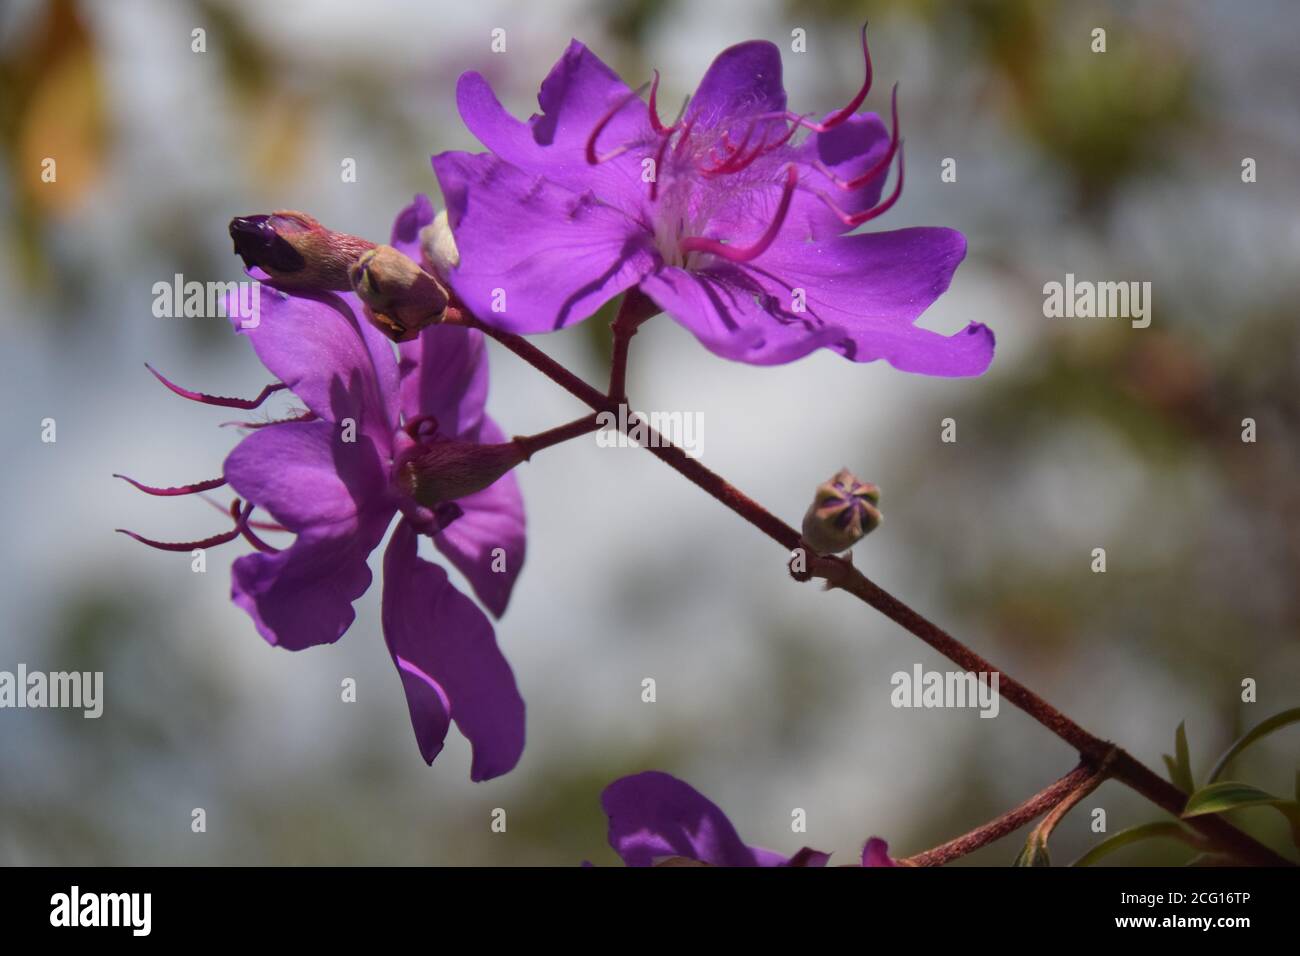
point(1122, 166)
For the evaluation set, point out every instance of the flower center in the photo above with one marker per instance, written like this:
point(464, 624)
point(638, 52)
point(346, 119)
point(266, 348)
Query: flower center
point(706, 183)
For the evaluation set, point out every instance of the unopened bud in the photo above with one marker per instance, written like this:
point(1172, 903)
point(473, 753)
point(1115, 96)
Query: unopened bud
point(843, 511)
point(447, 470)
point(400, 297)
point(438, 245)
point(297, 251)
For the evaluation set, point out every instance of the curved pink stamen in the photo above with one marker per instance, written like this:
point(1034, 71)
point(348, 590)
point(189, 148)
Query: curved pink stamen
point(193, 489)
point(260, 525)
point(204, 543)
point(853, 104)
point(747, 253)
point(592, 158)
point(655, 123)
point(858, 218)
point(726, 165)
point(759, 151)
point(246, 529)
point(730, 163)
point(879, 166)
point(681, 140)
point(658, 167)
point(245, 403)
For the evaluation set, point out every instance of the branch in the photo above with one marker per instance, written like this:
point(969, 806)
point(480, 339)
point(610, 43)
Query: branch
point(1054, 796)
point(841, 574)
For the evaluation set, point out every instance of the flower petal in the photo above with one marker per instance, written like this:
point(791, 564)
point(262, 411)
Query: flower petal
point(576, 95)
point(449, 662)
point(332, 493)
point(534, 256)
point(305, 474)
point(654, 815)
point(846, 151)
point(405, 236)
point(445, 374)
point(743, 80)
point(444, 371)
point(719, 307)
point(493, 518)
point(876, 853)
point(302, 596)
point(336, 362)
point(861, 294)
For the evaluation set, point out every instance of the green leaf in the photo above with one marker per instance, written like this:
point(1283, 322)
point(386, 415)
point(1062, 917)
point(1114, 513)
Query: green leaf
point(1180, 766)
point(1231, 795)
point(1147, 831)
point(1276, 722)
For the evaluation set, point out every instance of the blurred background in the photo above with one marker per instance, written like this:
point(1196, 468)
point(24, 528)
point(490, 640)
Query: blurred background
point(771, 696)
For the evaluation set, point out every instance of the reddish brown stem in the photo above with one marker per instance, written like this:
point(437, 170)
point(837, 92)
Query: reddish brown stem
point(839, 573)
point(531, 444)
point(632, 311)
point(1008, 823)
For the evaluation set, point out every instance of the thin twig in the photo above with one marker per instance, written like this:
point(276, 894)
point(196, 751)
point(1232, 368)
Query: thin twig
point(1009, 822)
point(839, 573)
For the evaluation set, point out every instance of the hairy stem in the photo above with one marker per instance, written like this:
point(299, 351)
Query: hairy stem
point(1043, 832)
point(840, 574)
point(1053, 796)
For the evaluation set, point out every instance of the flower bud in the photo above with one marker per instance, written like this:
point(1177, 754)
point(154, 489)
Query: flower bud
point(400, 297)
point(296, 251)
point(439, 246)
point(843, 511)
point(447, 470)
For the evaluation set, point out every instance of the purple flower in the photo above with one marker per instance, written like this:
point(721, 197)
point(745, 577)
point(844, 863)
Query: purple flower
point(724, 219)
point(654, 816)
point(336, 477)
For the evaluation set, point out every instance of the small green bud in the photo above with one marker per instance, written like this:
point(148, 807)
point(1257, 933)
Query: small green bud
point(843, 511)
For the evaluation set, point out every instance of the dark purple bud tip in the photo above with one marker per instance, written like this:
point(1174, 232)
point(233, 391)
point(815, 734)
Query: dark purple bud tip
point(296, 251)
point(843, 511)
point(258, 244)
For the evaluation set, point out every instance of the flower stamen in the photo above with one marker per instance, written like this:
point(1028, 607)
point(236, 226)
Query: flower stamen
point(655, 123)
point(857, 219)
point(853, 104)
point(593, 159)
point(244, 403)
point(748, 253)
point(857, 182)
point(658, 166)
point(260, 525)
point(212, 542)
point(246, 529)
point(196, 488)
